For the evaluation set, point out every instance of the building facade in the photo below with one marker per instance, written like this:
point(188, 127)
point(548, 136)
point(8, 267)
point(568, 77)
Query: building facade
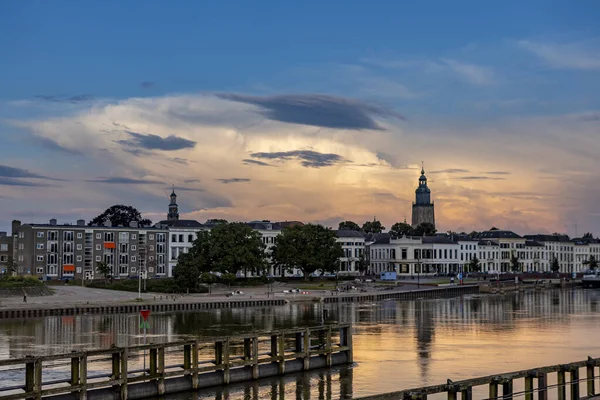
point(423, 207)
point(65, 251)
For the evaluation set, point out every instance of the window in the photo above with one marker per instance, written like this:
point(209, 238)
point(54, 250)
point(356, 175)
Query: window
point(40, 258)
point(109, 236)
point(160, 247)
point(53, 235)
point(40, 234)
point(190, 238)
point(98, 236)
point(133, 236)
point(79, 258)
point(40, 270)
point(98, 247)
point(133, 269)
point(151, 247)
point(150, 237)
point(404, 254)
point(98, 258)
point(180, 238)
point(68, 236)
point(3, 258)
point(150, 269)
point(174, 238)
point(53, 247)
point(68, 259)
point(79, 235)
point(40, 246)
point(133, 247)
point(123, 236)
point(123, 258)
point(151, 258)
point(3, 247)
point(79, 247)
point(160, 237)
point(123, 269)
point(67, 247)
point(52, 258)
point(133, 258)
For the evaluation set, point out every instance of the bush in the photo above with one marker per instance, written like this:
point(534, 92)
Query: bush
point(162, 285)
point(20, 281)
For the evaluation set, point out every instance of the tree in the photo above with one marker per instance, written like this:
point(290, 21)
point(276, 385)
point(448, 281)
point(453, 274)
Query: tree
point(493, 228)
point(309, 248)
point(192, 264)
point(216, 221)
point(401, 228)
point(474, 265)
point(554, 265)
point(475, 234)
point(514, 263)
point(373, 226)
point(362, 264)
point(592, 262)
point(349, 226)
point(425, 229)
point(103, 269)
point(235, 247)
point(588, 235)
point(120, 215)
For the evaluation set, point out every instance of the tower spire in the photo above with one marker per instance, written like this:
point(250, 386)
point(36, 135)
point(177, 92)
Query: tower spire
point(422, 168)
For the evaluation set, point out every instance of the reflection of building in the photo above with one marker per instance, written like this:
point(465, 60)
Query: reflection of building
point(423, 207)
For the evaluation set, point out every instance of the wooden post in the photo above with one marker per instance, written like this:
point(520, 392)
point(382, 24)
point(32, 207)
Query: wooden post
point(507, 389)
point(281, 353)
point(226, 362)
point(218, 353)
point(346, 340)
point(529, 387)
point(124, 373)
point(247, 349)
point(467, 393)
point(542, 386)
point(195, 350)
point(574, 382)
point(273, 348)
point(307, 349)
point(591, 390)
point(83, 362)
point(560, 380)
point(37, 387)
point(187, 356)
point(328, 346)
point(255, 358)
point(29, 375)
point(298, 342)
point(75, 371)
point(153, 362)
point(322, 339)
point(452, 394)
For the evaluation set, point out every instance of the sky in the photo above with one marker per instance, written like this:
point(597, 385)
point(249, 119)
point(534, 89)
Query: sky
point(312, 111)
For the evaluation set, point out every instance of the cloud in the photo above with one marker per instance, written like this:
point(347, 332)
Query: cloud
point(479, 178)
point(308, 158)
point(317, 110)
point(122, 180)
point(497, 172)
point(19, 182)
point(188, 189)
point(50, 144)
point(11, 172)
point(155, 142)
point(475, 74)
point(147, 84)
point(193, 180)
point(234, 180)
point(179, 160)
point(451, 171)
point(247, 161)
point(578, 55)
point(79, 98)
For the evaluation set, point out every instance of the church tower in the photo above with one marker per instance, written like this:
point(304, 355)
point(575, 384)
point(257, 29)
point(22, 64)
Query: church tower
point(173, 214)
point(422, 209)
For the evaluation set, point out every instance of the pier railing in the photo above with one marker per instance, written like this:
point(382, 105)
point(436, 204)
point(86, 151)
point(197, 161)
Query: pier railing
point(501, 386)
point(175, 367)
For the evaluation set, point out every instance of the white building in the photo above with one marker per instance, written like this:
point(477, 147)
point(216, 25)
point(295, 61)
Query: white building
point(353, 245)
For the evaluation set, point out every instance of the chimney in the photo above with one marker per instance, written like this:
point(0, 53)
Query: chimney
point(16, 224)
point(81, 222)
point(133, 224)
point(53, 222)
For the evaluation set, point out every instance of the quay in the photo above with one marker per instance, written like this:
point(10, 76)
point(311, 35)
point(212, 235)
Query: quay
point(505, 381)
point(425, 293)
point(230, 360)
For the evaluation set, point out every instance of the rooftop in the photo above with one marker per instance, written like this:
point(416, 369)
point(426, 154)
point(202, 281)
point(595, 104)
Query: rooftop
point(499, 234)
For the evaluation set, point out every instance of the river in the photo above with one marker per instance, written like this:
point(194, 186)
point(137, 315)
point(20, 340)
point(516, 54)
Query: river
point(397, 344)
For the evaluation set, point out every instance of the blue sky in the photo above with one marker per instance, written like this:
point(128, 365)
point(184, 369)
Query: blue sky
point(468, 77)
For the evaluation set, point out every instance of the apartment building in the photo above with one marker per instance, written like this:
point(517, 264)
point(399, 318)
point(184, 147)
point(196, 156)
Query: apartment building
point(6, 253)
point(353, 245)
point(67, 251)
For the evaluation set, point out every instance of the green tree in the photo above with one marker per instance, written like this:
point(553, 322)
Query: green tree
point(554, 265)
point(514, 263)
point(309, 248)
point(426, 229)
point(401, 228)
point(349, 226)
point(592, 262)
point(216, 221)
point(120, 215)
point(192, 264)
point(493, 228)
point(474, 265)
point(588, 235)
point(235, 247)
point(475, 234)
point(228, 279)
point(103, 269)
point(373, 226)
point(362, 264)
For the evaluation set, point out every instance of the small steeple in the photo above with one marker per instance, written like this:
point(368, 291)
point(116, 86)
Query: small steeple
point(173, 214)
point(422, 168)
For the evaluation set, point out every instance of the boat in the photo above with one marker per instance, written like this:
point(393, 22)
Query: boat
point(591, 279)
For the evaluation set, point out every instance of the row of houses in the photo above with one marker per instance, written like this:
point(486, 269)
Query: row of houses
point(72, 251)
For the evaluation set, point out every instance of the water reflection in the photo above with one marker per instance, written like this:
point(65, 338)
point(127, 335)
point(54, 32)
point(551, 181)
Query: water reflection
point(397, 344)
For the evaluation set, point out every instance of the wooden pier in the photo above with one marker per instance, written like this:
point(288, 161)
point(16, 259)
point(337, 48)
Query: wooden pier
point(175, 367)
point(536, 385)
point(425, 293)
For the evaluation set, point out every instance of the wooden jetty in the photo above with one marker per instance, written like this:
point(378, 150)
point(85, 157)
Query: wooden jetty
point(425, 293)
point(230, 359)
point(505, 381)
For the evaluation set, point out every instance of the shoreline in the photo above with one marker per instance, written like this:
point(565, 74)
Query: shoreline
point(153, 303)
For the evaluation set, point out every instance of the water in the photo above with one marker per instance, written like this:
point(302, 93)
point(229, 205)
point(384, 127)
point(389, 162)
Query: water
point(397, 345)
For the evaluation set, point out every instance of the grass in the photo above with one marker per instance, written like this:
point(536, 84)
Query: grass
point(20, 281)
